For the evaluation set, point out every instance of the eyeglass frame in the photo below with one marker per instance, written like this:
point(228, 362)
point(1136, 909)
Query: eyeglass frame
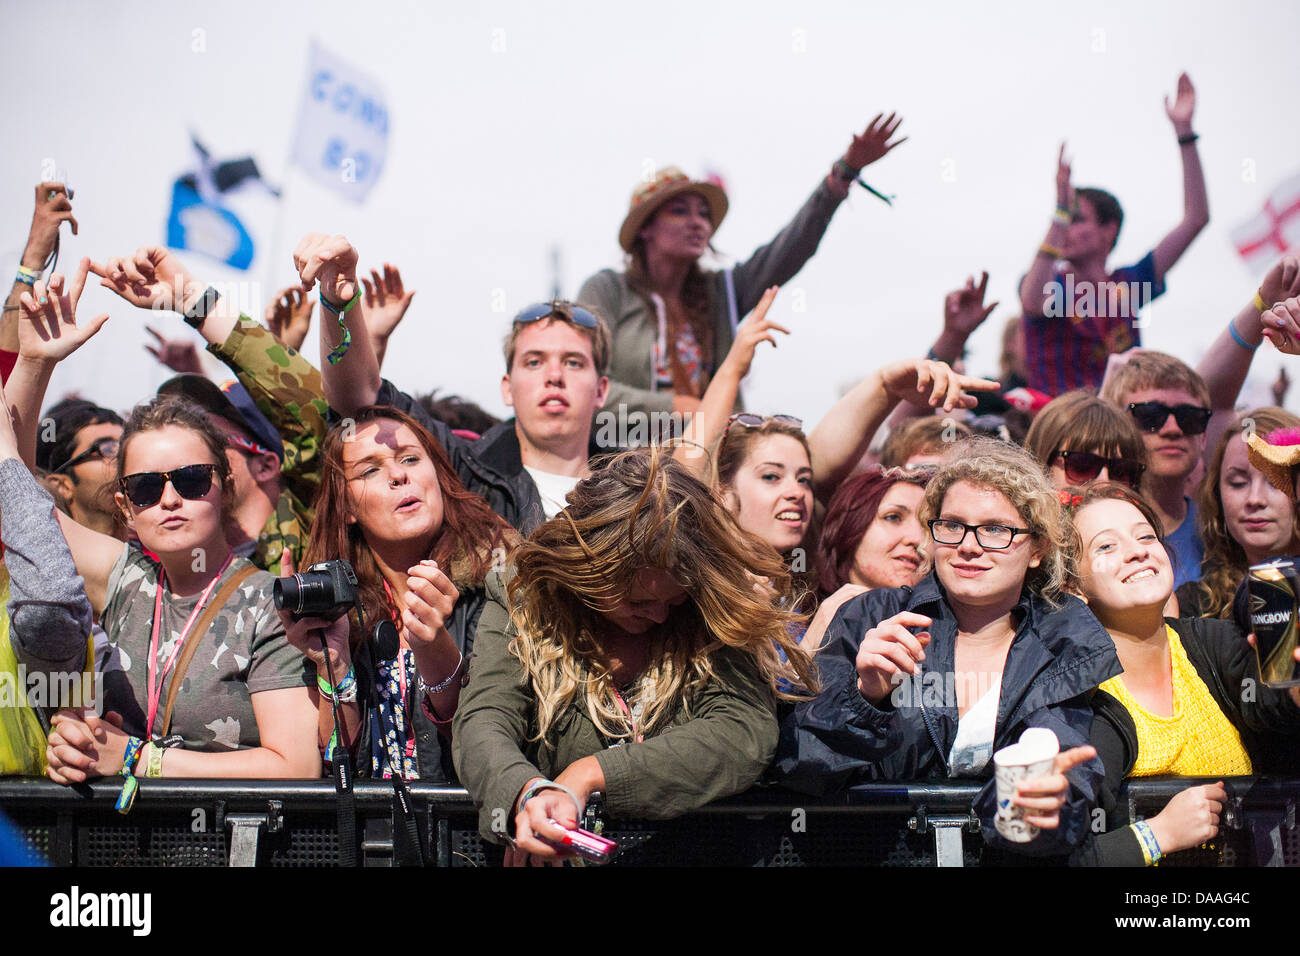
point(751, 420)
point(1107, 462)
point(968, 528)
point(92, 451)
point(540, 310)
point(1201, 411)
point(167, 480)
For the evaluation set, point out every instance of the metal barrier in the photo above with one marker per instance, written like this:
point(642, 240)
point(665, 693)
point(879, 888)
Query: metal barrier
point(293, 823)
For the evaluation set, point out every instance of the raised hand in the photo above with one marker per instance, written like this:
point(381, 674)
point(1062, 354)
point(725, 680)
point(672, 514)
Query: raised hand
point(874, 141)
point(1281, 326)
point(910, 379)
point(1064, 191)
point(179, 355)
point(1043, 797)
point(153, 278)
point(47, 326)
point(53, 207)
point(288, 317)
point(1180, 111)
point(964, 310)
point(1280, 387)
point(755, 329)
point(331, 261)
point(385, 301)
point(889, 653)
point(1282, 281)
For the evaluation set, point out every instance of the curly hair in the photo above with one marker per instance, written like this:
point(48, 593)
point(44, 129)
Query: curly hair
point(463, 546)
point(1080, 498)
point(1013, 472)
point(1225, 562)
point(851, 511)
point(644, 510)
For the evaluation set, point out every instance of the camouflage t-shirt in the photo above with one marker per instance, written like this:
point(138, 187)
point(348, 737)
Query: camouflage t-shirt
point(244, 651)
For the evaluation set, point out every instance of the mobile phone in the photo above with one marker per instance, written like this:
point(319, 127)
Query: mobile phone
point(587, 845)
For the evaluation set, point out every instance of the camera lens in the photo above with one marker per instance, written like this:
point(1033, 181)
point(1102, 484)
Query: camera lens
point(289, 594)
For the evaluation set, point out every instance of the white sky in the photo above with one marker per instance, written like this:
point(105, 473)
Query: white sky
point(496, 156)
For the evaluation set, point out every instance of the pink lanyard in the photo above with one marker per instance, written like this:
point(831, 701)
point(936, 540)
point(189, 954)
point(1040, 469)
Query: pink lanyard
point(155, 692)
point(628, 712)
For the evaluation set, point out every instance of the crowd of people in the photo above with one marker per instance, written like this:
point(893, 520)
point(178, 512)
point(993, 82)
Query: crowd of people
point(895, 592)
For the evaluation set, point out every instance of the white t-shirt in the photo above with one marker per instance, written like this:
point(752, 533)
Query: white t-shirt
point(973, 746)
point(552, 489)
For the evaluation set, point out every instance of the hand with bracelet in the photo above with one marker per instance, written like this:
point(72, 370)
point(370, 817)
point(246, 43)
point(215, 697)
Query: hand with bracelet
point(331, 261)
point(546, 808)
point(428, 603)
point(873, 143)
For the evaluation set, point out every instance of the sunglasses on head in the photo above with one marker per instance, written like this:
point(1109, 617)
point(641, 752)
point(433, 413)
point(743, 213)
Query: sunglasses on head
point(747, 420)
point(105, 448)
point(145, 489)
point(541, 310)
point(1151, 416)
point(1082, 467)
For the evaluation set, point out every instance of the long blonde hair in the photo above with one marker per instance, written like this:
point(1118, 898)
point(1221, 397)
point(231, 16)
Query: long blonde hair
point(644, 510)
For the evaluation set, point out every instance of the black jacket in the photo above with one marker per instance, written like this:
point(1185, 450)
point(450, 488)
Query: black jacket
point(1058, 657)
point(1267, 720)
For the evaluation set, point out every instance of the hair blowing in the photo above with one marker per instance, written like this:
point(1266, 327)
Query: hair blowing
point(644, 510)
point(462, 547)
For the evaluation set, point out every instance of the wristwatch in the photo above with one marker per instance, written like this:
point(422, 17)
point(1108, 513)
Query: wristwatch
point(199, 310)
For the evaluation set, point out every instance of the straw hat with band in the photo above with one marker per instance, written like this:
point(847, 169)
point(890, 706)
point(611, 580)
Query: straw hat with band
point(667, 183)
point(1276, 457)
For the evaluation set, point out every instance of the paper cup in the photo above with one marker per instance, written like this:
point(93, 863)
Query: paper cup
point(1031, 758)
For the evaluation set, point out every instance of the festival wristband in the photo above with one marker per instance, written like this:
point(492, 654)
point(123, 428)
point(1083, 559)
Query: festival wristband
point(126, 798)
point(541, 785)
point(1236, 337)
point(1260, 303)
point(1189, 139)
point(1150, 847)
point(26, 275)
point(1062, 215)
point(1049, 250)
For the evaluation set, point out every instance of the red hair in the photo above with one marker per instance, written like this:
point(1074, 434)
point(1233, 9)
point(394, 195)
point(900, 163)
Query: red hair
point(848, 516)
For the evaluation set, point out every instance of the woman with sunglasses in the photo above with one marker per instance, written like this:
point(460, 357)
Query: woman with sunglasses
point(1178, 707)
point(199, 679)
point(928, 681)
point(1244, 519)
point(631, 654)
point(1081, 438)
point(673, 321)
point(421, 546)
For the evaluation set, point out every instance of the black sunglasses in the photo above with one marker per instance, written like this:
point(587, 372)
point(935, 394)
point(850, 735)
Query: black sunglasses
point(1151, 416)
point(145, 488)
point(541, 310)
point(1082, 467)
point(105, 448)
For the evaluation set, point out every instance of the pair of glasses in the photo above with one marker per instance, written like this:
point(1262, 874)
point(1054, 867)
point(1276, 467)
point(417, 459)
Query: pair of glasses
point(542, 309)
point(991, 537)
point(1082, 467)
point(145, 488)
point(758, 421)
point(252, 447)
point(1151, 416)
point(105, 448)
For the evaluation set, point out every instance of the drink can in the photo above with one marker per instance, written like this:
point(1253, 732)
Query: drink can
point(1273, 618)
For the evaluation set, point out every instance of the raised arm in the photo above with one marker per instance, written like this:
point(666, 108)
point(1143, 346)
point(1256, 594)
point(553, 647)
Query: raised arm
point(840, 439)
point(47, 333)
point(383, 306)
point(707, 424)
point(53, 208)
point(1033, 297)
point(349, 367)
point(1196, 205)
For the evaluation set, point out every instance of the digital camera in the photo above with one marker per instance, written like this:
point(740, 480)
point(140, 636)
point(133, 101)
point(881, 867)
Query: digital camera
point(327, 590)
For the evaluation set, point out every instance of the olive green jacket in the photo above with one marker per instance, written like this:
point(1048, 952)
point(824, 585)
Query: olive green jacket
point(719, 748)
point(287, 389)
point(634, 324)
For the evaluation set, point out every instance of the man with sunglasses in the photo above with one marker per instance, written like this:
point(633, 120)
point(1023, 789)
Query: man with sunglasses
point(1170, 403)
point(76, 448)
point(557, 356)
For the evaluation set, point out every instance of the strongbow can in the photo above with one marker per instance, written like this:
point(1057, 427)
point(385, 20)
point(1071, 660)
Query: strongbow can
point(1273, 619)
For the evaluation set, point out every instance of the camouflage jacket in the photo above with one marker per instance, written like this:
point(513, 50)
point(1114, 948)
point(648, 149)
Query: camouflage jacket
point(288, 391)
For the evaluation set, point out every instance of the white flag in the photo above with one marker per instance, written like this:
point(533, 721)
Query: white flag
point(342, 136)
point(1273, 231)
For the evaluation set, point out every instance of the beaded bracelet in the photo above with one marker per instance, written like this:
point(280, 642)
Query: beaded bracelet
point(126, 799)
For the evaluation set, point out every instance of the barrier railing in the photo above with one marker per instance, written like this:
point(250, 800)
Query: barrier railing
point(293, 823)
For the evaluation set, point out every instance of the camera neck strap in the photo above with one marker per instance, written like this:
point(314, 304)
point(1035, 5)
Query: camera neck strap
point(189, 641)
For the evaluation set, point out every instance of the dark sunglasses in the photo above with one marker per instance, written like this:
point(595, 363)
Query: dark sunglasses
point(758, 421)
point(1151, 416)
point(145, 488)
point(104, 448)
point(1082, 467)
point(541, 310)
